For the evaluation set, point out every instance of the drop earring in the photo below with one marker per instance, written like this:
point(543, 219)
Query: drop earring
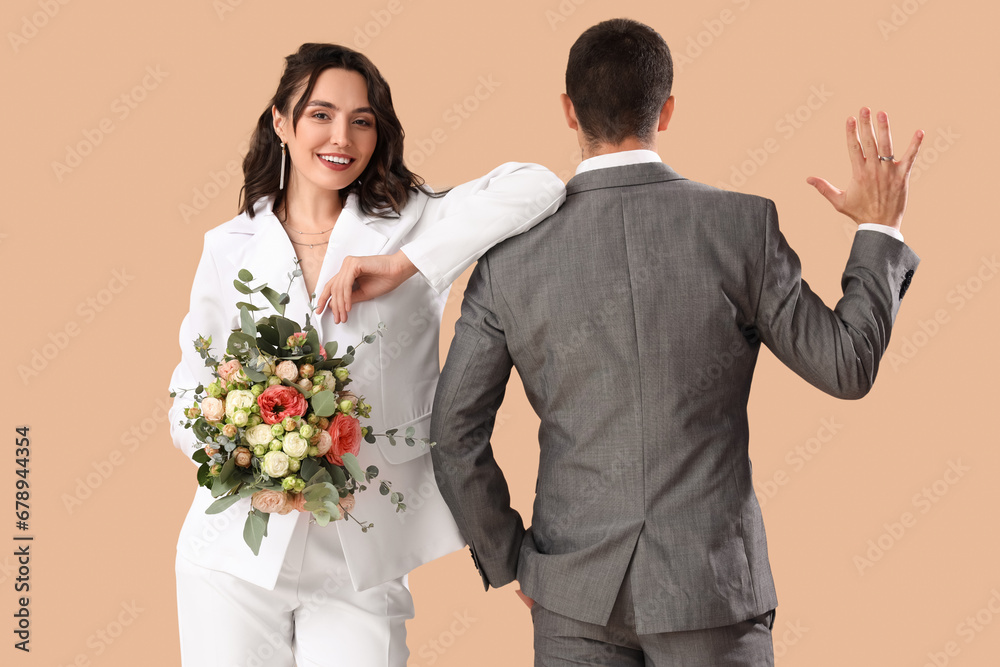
point(281, 180)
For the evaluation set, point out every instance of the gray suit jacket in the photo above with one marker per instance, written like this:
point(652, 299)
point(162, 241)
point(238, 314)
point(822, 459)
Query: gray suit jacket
point(634, 317)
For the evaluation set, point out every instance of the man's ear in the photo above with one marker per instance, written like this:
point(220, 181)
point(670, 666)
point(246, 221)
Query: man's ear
point(278, 122)
point(569, 112)
point(665, 113)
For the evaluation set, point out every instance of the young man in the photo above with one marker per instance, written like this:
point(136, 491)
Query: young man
point(634, 316)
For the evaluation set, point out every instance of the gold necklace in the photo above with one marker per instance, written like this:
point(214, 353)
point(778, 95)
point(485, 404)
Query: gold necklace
point(283, 224)
point(309, 244)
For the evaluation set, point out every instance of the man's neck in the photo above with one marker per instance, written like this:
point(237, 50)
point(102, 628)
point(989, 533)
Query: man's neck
point(630, 144)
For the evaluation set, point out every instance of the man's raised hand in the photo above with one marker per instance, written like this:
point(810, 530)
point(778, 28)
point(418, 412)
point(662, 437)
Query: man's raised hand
point(878, 188)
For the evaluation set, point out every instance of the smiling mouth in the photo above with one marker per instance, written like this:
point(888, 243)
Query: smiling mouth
point(336, 159)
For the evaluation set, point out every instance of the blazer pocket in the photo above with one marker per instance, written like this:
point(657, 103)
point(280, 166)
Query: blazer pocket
point(401, 452)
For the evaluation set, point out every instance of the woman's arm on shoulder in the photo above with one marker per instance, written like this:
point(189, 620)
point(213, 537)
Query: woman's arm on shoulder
point(452, 232)
point(455, 230)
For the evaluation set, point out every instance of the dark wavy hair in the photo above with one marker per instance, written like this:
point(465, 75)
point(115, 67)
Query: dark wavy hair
point(384, 186)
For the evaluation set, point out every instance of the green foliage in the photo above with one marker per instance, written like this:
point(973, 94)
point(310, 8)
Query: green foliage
point(324, 403)
point(255, 529)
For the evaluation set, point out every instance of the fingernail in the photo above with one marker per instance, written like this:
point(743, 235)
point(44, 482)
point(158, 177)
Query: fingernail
point(865, 112)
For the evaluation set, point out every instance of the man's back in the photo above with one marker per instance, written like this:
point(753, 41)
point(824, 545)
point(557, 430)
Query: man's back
point(634, 316)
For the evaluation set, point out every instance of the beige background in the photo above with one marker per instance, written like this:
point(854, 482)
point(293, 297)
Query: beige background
point(98, 259)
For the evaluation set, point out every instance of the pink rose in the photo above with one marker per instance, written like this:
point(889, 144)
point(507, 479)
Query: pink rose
point(227, 370)
point(213, 409)
point(278, 401)
point(296, 501)
point(287, 370)
point(345, 433)
point(271, 502)
point(324, 443)
point(242, 456)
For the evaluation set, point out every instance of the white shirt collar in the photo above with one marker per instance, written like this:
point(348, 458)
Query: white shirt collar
point(619, 159)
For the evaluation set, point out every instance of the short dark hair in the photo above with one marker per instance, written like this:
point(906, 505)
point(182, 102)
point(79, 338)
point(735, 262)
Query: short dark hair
point(618, 77)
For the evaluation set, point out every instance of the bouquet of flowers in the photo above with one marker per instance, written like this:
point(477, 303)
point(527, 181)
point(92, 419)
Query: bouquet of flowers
point(278, 424)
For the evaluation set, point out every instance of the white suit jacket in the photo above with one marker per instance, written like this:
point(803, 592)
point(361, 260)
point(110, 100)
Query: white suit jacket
point(397, 374)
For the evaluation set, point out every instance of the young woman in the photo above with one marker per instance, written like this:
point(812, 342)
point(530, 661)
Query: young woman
point(325, 184)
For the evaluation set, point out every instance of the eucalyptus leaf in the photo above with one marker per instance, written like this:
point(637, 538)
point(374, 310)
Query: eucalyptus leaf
point(316, 492)
point(240, 343)
point(255, 376)
point(246, 323)
point(347, 360)
point(201, 429)
point(255, 529)
point(313, 505)
point(267, 332)
point(241, 288)
point(338, 476)
point(227, 469)
point(324, 403)
point(223, 503)
point(353, 467)
point(245, 275)
point(274, 298)
point(312, 341)
point(322, 476)
point(410, 432)
point(331, 349)
point(285, 328)
point(370, 338)
point(248, 306)
point(334, 509)
point(309, 468)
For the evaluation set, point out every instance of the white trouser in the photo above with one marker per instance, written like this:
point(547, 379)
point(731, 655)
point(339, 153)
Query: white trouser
point(312, 618)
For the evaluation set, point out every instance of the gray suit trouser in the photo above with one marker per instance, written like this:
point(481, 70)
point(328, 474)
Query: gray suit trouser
point(561, 641)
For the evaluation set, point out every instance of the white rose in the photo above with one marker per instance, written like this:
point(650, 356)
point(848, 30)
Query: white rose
point(276, 464)
point(295, 445)
point(258, 435)
point(287, 370)
point(213, 409)
point(238, 398)
point(325, 442)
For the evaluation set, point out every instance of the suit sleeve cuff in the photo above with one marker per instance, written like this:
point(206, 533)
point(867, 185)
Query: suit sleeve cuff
point(884, 229)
